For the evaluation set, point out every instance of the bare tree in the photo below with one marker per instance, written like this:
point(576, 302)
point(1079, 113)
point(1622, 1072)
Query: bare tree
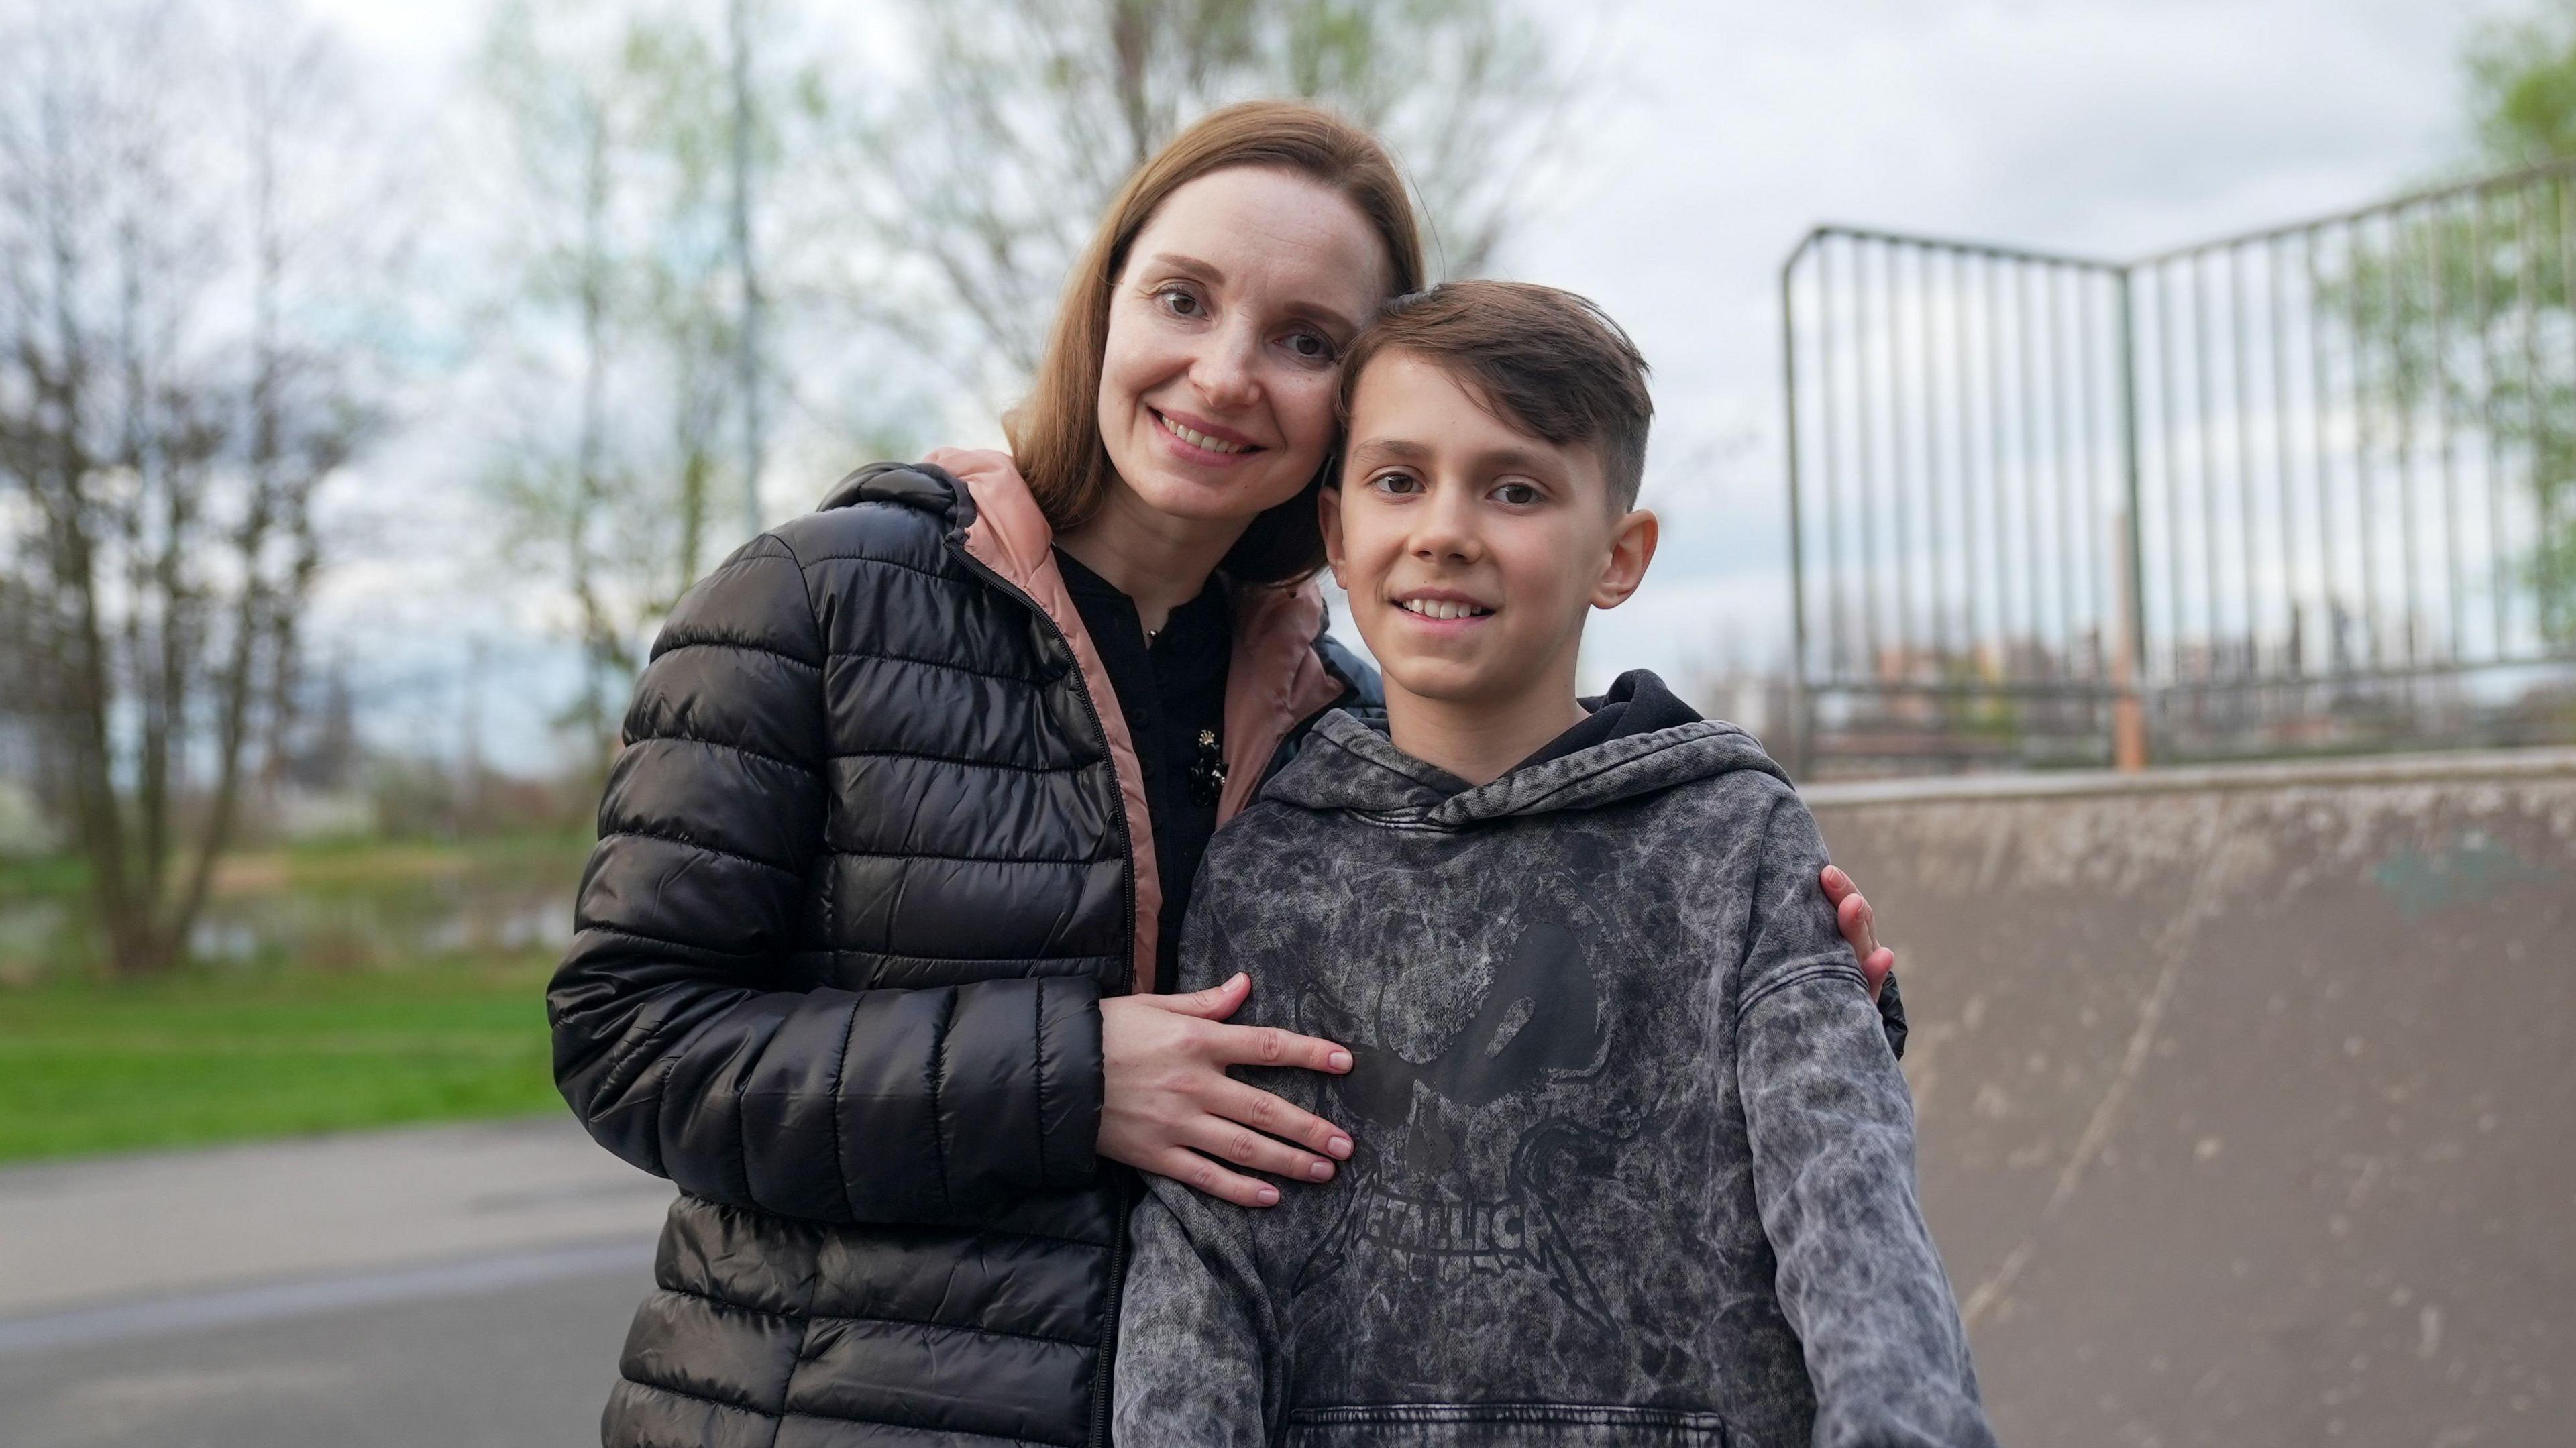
point(984, 181)
point(178, 377)
point(554, 477)
point(709, 236)
point(631, 287)
point(743, 133)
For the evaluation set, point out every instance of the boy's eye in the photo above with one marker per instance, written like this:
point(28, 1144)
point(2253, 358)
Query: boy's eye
point(1395, 483)
point(1518, 495)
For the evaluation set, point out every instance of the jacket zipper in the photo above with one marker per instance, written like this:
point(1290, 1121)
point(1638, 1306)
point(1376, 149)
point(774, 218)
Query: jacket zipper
point(1126, 846)
point(1109, 1328)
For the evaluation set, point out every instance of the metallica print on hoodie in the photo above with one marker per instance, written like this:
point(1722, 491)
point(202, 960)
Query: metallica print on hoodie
point(1634, 1163)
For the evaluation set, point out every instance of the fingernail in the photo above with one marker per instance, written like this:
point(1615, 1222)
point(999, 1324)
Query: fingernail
point(1267, 1196)
point(1321, 1171)
point(1339, 1060)
point(1339, 1146)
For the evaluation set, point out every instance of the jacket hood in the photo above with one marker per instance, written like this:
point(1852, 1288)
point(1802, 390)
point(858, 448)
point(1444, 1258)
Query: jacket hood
point(928, 489)
point(1349, 765)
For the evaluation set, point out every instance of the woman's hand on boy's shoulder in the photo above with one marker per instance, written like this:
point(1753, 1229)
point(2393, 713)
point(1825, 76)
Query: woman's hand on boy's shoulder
point(1859, 926)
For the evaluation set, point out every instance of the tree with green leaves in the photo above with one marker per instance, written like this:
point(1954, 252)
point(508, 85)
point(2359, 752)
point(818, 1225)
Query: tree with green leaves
point(2458, 315)
point(2508, 268)
point(2522, 87)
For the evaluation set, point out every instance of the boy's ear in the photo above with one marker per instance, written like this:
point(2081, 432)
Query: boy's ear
point(1328, 512)
point(1632, 548)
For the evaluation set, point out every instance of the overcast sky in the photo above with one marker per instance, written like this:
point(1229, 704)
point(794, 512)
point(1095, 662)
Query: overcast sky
point(2101, 127)
point(2109, 127)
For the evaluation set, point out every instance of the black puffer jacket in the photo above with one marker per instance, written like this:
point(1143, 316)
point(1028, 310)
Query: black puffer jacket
point(874, 853)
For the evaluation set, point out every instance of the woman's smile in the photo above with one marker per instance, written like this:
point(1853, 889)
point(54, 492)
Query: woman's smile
point(1204, 442)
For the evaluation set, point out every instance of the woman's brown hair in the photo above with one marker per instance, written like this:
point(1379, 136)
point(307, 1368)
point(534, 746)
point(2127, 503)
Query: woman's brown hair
point(1055, 431)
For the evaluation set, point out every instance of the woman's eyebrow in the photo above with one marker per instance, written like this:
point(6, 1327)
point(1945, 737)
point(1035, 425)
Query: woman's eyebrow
point(1317, 312)
point(1214, 275)
point(1207, 272)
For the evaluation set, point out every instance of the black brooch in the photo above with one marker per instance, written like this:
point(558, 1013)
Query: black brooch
point(1207, 771)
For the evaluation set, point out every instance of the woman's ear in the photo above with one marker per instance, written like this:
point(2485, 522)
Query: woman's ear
point(1328, 513)
point(1632, 548)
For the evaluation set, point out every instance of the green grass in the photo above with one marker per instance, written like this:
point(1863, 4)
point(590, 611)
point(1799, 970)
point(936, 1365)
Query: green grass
point(46, 877)
point(331, 864)
point(212, 1056)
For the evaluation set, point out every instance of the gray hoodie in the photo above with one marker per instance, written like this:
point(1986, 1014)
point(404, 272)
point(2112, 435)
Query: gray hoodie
point(1634, 1162)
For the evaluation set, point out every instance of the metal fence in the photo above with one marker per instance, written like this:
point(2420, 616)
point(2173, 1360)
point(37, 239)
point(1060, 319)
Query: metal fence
point(2308, 488)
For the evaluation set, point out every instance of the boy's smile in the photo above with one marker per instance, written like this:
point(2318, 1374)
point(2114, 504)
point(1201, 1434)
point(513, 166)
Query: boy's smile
point(1472, 552)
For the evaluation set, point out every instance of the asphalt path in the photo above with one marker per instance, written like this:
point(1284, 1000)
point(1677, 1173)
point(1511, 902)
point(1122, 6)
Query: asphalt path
point(501, 1364)
point(456, 1287)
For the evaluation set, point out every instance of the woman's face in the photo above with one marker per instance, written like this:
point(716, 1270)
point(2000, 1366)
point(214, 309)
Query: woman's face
point(1226, 333)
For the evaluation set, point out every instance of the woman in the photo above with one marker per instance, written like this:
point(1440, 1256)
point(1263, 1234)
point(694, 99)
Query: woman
point(914, 792)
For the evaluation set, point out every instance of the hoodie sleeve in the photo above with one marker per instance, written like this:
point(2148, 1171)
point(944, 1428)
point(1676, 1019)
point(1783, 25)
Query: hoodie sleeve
point(1199, 1362)
point(1832, 1130)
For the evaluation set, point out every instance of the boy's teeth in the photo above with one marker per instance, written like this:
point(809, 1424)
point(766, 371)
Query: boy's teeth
point(1440, 608)
point(1196, 438)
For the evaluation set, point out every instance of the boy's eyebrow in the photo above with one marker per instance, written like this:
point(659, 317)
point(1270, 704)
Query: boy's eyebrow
point(1526, 459)
point(1371, 451)
point(1214, 276)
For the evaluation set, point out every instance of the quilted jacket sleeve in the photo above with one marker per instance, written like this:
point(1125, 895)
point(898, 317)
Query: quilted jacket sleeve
point(672, 1040)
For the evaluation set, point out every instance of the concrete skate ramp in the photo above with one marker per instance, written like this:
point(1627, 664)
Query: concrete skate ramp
point(2246, 1097)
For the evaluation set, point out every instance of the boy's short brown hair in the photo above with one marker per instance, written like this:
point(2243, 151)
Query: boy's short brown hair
point(1543, 360)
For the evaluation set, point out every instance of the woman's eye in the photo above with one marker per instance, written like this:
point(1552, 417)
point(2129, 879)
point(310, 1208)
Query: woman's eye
point(1179, 301)
point(1311, 346)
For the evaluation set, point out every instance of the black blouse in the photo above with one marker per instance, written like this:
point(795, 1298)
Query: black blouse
point(1172, 692)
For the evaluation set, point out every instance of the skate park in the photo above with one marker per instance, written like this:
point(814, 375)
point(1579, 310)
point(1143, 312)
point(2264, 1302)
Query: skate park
point(2242, 1092)
point(2129, 483)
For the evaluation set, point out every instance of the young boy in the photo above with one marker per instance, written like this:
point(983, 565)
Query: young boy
point(1635, 1164)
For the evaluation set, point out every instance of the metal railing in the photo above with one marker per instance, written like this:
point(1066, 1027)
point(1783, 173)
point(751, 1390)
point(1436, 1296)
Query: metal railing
point(2281, 491)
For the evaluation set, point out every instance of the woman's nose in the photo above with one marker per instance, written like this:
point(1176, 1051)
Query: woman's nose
point(1223, 373)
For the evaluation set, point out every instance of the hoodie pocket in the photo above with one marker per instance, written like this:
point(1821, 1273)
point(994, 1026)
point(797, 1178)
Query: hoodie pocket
point(1505, 1425)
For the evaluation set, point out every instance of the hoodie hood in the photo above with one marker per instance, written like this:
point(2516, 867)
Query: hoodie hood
point(1349, 765)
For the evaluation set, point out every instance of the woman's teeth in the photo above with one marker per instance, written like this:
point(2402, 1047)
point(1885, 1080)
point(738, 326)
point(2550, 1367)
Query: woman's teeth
point(1195, 438)
point(1441, 608)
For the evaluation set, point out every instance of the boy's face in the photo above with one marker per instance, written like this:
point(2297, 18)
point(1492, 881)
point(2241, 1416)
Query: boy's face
point(1471, 550)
